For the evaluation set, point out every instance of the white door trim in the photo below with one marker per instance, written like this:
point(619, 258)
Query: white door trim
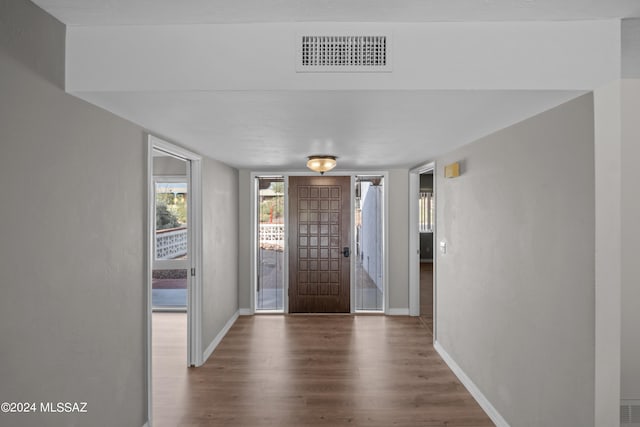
point(194, 300)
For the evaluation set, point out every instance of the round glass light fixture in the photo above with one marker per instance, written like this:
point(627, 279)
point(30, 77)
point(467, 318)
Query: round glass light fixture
point(321, 164)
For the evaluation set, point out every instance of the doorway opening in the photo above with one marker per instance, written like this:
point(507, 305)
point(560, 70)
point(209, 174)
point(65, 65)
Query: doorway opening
point(426, 228)
point(369, 241)
point(171, 238)
point(422, 256)
point(174, 260)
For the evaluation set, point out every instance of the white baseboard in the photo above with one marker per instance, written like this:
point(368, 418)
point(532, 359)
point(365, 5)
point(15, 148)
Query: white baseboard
point(245, 312)
point(398, 312)
point(471, 387)
point(219, 337)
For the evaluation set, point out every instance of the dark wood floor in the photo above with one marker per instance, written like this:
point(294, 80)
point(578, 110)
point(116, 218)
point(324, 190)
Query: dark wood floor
point(426, 294)
point(299, 370)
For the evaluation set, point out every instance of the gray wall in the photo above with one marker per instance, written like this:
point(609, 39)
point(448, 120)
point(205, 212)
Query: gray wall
point(220, 247)
point(608, 258)
point(397, 191)
point(169, 166)
point(630, 35)
point(515, 290)
point(245, 236)
point(630, 178)
point(72, 320)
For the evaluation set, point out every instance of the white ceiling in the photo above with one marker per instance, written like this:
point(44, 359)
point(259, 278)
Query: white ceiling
point(365, 129)
point(155, 12)
point(276, 130)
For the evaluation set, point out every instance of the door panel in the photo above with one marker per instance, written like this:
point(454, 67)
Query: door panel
point(319, 214)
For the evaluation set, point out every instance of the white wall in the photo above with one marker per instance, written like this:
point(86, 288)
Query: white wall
point(515, 290)
point(630, 178)
point(72, 241)
point(576, 55)
point(220, 247)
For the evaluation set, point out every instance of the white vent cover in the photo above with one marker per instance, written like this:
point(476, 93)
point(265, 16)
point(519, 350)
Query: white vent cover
point(344, 53)
point(630, 413)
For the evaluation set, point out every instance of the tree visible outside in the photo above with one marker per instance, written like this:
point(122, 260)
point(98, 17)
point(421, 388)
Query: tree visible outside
point(165, 219)
point(272, 205)
point(171, 208)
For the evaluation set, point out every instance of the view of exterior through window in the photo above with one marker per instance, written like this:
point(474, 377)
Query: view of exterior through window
point(270, 283)
point(369, 218)
point(169, 285)
point(426, 212)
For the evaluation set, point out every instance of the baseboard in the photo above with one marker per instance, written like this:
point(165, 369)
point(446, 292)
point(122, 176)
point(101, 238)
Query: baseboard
point(219, 337)
point(398, 312)
point(245, 312)
point(471, 387)
point(146, 424)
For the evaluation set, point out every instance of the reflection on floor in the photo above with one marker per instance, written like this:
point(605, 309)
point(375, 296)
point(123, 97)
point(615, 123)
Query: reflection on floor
point(368, 296)
point(374, 371)
point(426, 294)
point(170, 373)
point(270, 295)
point(169, 292)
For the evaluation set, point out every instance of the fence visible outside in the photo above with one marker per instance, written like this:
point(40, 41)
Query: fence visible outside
point(271, 236)
point(171, 243)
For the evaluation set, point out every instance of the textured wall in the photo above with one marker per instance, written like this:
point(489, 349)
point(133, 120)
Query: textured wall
point(515, 290)
point(220, 247)
point(72, 245)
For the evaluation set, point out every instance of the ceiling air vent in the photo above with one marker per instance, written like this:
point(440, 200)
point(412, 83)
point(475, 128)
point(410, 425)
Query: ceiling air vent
point(344, 53)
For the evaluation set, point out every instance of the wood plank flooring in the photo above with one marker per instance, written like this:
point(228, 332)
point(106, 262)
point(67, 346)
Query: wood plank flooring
point(299, 370)
point(426, 294)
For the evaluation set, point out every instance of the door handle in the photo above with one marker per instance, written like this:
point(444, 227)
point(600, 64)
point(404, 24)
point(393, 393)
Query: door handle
point(346, 252)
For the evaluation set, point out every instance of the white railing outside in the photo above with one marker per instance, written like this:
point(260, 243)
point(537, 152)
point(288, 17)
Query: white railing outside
point(271, 235)
point(172, 243)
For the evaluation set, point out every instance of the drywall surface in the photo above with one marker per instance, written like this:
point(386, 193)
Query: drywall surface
point(630, 350)
point(220, 247)
point(245, 288)
point(515, 290)
point(608, 253)
point(630, 48)
point(169, 166)
point(34, 38)
point(398, 236)
point(72, 245)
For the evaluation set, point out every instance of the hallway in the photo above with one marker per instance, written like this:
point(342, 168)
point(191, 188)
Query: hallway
point(301, 370)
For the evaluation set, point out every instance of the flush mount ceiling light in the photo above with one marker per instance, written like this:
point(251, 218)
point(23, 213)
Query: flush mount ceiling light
point(321, 164)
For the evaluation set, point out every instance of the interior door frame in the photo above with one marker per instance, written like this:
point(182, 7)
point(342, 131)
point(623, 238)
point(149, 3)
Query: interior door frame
point(254, 234)
point(414, 242)
point(194, 287)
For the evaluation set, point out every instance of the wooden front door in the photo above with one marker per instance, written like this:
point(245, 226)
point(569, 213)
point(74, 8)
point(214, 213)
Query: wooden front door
point(319, 244)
